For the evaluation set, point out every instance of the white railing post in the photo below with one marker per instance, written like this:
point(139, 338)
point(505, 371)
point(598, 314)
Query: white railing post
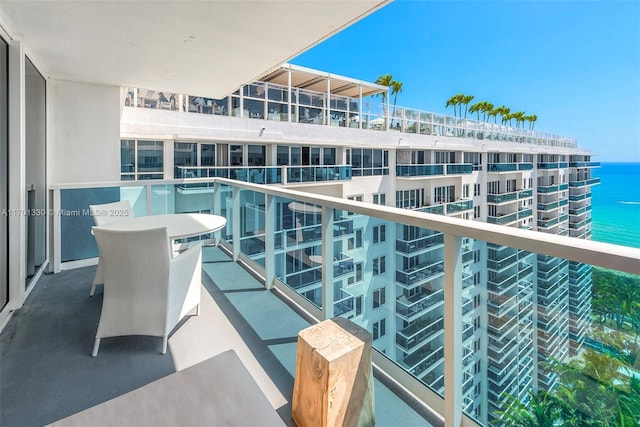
point(327, 262)
point(55, 251)
point(235, 218)
point(452, 330)
point(269, 239)
point(217, 208)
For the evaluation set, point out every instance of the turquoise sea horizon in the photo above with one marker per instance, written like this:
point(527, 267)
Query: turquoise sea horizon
point(616, 204)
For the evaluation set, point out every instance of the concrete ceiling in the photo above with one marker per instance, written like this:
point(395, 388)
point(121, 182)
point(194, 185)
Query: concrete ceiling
point(207, 48)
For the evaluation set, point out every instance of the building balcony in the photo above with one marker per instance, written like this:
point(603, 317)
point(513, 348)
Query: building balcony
point(459, 169)
point(266, 174)
point(503, 218)
point(412, 307)
point(420, 244)
point(525, 213)
point(525, 194)
point(553, 165)
point(579, 197)
point(502, 198)
point(584, 164)
point(502, 167)
point(403, 171)
point(525, 166)
point(459, 206)
point(584, 183)
point(246, 214)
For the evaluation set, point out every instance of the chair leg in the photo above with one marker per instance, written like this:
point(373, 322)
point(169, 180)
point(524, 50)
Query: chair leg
point(96, 344)
point(164, 344)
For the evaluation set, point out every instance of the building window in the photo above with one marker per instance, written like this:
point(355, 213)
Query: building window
point(476, 189)
point(379, 233)
point(476, 212)
point(445, 194)
point(358, 305)
point(141, 160)
point(379, 266)
point(379, 297)
point(380, 199)
point(465, 191)
point(379, 329)
point(410, 199)
point(355, 241)
point(367, 162)
point(358, 276)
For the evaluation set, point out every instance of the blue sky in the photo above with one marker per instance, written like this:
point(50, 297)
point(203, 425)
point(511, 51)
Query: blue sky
point(575, 64)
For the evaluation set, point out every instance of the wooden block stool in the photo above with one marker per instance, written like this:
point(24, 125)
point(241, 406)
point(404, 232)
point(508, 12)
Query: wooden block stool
point(334, 379)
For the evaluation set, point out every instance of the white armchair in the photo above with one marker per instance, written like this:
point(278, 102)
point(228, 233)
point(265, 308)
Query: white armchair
point(103, 214)
point(146, 291)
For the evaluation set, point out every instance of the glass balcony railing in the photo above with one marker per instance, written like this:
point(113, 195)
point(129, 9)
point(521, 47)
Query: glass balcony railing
point(584, 164)
point(459, 169)
point(579, 197)
point(503, 218)
point(523, 194)
point(553, 165)
point(318, 173)
point(584, 183)
point(404, 295)
point(548, 189)
point(523, 213)
point(459, 206)
point(525, 166)
point(273, 102)
point(267, 174)
point(548, 206)
point(502, 167)
point(502, 198)
point(419, 170)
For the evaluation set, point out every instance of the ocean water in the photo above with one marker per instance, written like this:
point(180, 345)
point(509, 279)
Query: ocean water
point(616, 204)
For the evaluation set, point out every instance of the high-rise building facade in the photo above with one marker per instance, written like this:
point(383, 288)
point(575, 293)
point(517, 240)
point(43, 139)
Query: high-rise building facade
point(520, 310)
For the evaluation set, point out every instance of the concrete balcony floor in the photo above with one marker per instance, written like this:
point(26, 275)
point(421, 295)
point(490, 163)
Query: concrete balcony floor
point(47, 372)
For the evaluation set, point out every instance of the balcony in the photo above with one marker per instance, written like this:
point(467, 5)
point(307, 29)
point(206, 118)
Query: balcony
point(553, 165)
point(502, 167)
point(459, 206)
point(524, 213)
point(578, 197)
point(459, 169)
point(525, 166)
point(547, 222)
point(584, 183)
point(503, 219)
point(419, 170)
point(228, 195)
point(584, 164)
point(420, 244)
point(266, 174)
point(502, 198)
point(524, 194)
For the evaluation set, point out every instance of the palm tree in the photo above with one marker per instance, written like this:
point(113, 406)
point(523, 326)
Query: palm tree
point(384, 80)
point(519, 116)
point(494, 112)
point(532, 121)
point(396, 88)
point(503, 112)
point(486, 108)
point(465, 99)
point(476, 108)
point(452, 102)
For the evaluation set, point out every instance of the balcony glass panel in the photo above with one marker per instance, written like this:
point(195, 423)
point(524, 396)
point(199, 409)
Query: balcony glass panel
point(501, 198)
point(502, 167)
point(419, 170)
point(459, 169)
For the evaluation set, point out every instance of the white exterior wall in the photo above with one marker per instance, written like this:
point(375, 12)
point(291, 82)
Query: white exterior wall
point(84, 143)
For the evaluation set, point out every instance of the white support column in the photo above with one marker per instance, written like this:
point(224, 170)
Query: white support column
point(452, 330)
point(265, 114)
point(135, 97)
point(181, 102)
point(360, 106)
point(17, 176)
point(269, 240)
point(241, 101)
point(235, 218)
point(327, 262)
point(387, 113)
point(328, 106)
point(289, 94)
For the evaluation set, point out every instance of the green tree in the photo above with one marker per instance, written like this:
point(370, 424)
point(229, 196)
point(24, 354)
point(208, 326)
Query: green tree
point(396, 88)
point(493, 113)
point(384, 80)
point(503, 112)
point(532, 120)
point(465, 99)
point(453, 102)
point(476, 108)
point(519, 118)
point(486, 108)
